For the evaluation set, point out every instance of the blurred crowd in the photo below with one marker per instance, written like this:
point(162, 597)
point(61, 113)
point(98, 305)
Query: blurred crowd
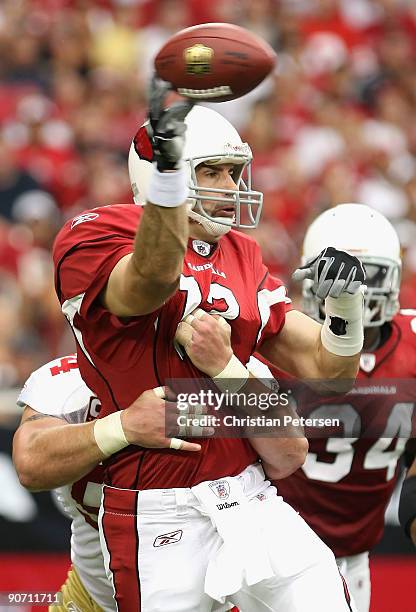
point(334, 123)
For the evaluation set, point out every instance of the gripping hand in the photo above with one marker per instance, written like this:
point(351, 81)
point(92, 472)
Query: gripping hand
point(167, 127)
point(333, 273)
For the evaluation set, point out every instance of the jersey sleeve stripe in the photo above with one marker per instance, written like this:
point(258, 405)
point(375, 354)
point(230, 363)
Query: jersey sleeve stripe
point(70, 308)
point(275, 296)
point(266, 299)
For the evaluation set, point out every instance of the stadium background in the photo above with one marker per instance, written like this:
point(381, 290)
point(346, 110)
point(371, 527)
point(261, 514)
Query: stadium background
point(334, 124)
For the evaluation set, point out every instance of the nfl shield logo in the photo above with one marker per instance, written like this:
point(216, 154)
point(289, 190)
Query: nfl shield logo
point(221, 488)
point(198, 59)
point(201, 247)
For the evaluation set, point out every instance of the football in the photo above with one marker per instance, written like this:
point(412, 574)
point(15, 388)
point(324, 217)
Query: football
point(214, 62)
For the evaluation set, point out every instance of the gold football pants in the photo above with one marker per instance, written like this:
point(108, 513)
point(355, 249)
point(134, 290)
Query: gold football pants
point(75, 597)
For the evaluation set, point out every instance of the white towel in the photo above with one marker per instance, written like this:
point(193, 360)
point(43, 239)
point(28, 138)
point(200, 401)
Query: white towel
point(243, 557)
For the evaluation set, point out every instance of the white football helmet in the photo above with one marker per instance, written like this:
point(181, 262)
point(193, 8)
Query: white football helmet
point(367, 234)
point(209, 139)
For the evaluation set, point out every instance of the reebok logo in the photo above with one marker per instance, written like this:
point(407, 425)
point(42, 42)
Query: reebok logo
point(168, 538)
point(83, 218)
point(226, 505)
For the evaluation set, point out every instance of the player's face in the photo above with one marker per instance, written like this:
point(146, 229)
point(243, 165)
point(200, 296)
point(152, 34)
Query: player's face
point(218, 177)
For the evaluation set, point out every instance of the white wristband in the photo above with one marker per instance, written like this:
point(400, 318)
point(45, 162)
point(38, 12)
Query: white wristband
point(342, 332)
point(109, 434)
point(168, 189)
point(233, 376)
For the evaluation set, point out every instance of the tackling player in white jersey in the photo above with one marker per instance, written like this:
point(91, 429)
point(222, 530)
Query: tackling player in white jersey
point(46, 456)
point(57, 391)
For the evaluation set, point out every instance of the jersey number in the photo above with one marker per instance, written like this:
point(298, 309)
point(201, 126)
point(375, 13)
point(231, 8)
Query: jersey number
point(377, 456)
point(66, 364)
point(221, 299)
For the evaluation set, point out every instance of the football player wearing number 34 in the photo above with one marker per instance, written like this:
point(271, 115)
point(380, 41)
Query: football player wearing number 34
point(345, 484)
point(126, 276)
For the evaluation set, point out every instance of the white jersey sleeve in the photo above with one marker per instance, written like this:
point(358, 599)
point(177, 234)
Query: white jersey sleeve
point(57, 389)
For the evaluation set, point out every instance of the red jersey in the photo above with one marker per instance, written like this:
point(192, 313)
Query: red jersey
point(344, 486)
point(119, 359)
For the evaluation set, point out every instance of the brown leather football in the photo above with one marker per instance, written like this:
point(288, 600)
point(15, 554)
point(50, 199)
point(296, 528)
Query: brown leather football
point(215, 62)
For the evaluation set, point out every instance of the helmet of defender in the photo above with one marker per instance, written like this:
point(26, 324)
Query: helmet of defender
point(367, 234)
point(210, 139)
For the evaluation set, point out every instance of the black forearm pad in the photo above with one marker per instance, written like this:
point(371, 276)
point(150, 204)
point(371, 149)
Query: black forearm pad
point(407, 505)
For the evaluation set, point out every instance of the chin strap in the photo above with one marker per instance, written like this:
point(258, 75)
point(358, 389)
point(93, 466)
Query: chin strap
point(212, 227)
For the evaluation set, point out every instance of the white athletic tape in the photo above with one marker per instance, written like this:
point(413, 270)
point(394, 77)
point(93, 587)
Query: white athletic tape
point(193, 409)
point(232, 377)
point(199, 409)
point(189, 319)
point(199, 313)
point(160, 392)
point(183, 334)
point(109, 434)
point(344, 316)
point(195, 427)
point(197, 431)
point(176, 444)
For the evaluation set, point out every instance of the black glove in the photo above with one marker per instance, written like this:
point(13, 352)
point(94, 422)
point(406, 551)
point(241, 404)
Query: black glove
point(167, 128)
point(333, 272)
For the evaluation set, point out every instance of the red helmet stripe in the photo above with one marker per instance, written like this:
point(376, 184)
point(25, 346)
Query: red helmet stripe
point(142, 144)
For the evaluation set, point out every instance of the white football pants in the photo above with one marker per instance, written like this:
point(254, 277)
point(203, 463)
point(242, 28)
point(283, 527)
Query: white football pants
point(162, 540)
point(356, 571)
